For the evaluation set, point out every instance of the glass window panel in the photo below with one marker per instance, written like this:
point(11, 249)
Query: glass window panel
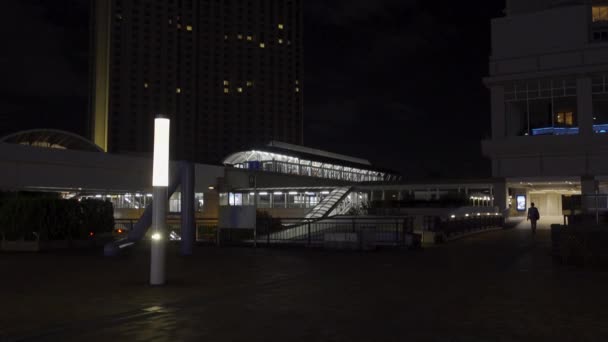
point(565, 108)
point(263, 200)
point(223, 199)
point(540, 117)
point(516, 118)
point(278, 200)
point(600, 113)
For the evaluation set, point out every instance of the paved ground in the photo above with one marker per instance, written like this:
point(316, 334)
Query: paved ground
point(498, 286)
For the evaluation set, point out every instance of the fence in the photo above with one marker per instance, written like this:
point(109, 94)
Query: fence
point(383, 231)
point(392, 231)
point(461, 225)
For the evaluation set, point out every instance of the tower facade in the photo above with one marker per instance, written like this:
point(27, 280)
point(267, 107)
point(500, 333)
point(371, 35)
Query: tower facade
point(227, 72)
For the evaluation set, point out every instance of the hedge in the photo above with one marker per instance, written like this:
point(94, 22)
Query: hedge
point(54, 219)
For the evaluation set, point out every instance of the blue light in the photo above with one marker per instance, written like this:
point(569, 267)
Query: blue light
point(555, 131)
point(600, 128)
point(603, 128)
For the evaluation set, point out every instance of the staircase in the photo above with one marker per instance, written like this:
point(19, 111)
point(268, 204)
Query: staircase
point(329, 203)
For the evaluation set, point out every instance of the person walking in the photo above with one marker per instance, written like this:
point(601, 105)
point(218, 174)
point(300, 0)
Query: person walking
point(533, 216)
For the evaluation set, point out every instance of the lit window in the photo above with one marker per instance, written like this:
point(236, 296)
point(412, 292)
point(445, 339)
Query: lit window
point(226, 82)
point(225, 37)
point(189, 27)
point(179, 26)
point(280, 41)
point(297, 82)
point(262, 45)
point(145, 85)
point(565, 118)
point(599, 13)
point(240, 36)
point(239, 89)
point(281, 26)
point(249, 38)
point(250, 83)
point(297, 89)
point(178, 90)
point(226, 90)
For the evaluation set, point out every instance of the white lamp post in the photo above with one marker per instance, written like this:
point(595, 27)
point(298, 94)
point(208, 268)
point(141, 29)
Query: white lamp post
point(160, 182)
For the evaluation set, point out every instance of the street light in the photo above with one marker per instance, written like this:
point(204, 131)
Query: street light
point(160, 182)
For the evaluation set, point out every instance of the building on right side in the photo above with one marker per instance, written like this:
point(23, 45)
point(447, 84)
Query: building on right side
point(548, 80)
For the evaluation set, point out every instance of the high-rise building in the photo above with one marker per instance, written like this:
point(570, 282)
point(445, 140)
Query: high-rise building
point(227, 72)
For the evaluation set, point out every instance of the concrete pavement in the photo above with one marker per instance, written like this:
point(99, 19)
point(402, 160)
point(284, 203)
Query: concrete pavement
point(496, 286)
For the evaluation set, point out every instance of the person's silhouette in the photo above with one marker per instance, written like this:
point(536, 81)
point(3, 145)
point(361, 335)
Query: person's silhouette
point(533, 216)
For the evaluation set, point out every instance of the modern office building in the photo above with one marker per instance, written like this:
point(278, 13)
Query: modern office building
point(548, 80)
point(227, 72)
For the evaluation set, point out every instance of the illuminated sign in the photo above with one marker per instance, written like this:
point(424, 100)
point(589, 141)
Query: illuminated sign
point(521, 203)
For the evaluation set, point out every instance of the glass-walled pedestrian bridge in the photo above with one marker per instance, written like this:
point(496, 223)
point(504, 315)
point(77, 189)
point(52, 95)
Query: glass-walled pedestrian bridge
point(303, 161)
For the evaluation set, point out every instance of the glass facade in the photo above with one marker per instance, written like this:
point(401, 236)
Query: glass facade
point(141, 200)
point(272, 162)
point(599, 90)
point(541, 107)
point(275, 199)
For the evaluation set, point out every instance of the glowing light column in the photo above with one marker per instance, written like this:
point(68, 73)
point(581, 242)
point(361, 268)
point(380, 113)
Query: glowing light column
point(160, 182)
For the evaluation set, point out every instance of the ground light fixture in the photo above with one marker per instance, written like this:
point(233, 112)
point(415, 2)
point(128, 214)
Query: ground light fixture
point(160, 182)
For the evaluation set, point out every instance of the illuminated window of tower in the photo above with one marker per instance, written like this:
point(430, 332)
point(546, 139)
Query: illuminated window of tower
point(281, 26)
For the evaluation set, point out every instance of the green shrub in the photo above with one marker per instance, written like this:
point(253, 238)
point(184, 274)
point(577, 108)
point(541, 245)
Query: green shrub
point(51, 218)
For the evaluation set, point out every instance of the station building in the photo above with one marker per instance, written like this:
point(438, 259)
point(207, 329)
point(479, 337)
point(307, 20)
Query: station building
point(284, 180)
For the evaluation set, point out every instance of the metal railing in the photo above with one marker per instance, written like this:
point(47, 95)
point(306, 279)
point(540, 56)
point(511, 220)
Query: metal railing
point(388, 231)
point(382, 231)
point(469, 224)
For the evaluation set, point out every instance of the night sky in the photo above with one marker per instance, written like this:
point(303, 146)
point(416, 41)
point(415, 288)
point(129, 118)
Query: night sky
point(394, 81)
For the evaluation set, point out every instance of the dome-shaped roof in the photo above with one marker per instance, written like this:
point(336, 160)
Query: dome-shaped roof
point(51, 138)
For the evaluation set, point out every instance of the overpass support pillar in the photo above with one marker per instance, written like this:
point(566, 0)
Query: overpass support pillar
point(501, 193)
point(188, 228)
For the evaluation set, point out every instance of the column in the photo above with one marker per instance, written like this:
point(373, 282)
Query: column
point(188, 231)
point(584, 106)
point(501, 194)
point(589, 185)
point(497, 98)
